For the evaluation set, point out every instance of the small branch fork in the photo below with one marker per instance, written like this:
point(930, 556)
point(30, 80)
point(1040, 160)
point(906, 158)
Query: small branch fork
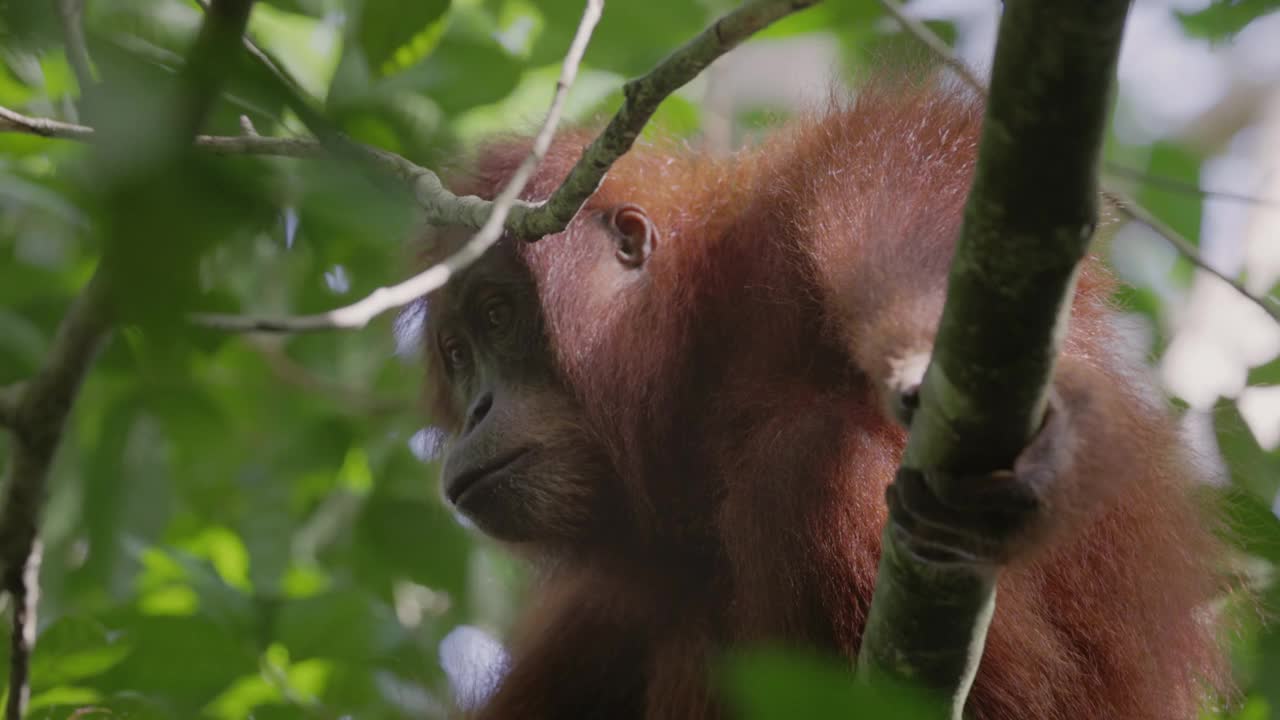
point(519, 219)
point(383, 299)
point(1128, 207)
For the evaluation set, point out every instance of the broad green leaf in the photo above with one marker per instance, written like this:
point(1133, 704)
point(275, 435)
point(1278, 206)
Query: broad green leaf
point(464, 70)
point(185, 661)
point(63, 695)
point(1253, 469)
point(1225, 18)
point(1176, 208)
point(1250, 523)
point(308, 48)
point(74, 648)
point(414, 539)
point(630, 38)
point(358, 627)
point(385, 26)
point(524, 108)
point(126, 704)
point(778, 686)
point(14, 93)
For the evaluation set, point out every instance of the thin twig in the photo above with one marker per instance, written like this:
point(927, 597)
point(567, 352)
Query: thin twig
point(71, 13)
point(936, 45)
point(360, 313)
point(1184, 247)
point(296, 98)
point(1126, 206)
point(1174, 185)
point(11, 121)
point(440, 207)
point(641, 99)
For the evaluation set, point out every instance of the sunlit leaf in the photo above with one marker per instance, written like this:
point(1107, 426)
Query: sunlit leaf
point(74, 648)
point(385, 26)
point(778, 686)
point(1224, 18)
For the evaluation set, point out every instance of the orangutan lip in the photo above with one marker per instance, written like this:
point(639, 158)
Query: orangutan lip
point(468, 479)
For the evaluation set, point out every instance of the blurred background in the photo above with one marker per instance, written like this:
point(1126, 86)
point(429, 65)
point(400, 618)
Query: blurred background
point(249, 526)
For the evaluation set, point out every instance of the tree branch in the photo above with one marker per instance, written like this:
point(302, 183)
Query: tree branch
point(360, 313)
point(440, 205)
point(201, 77)
point(1174, 185)
point(532, 221)
point(39, 412)
point(1139, 214)
point(24, 590)
point(935, 44)
point(1028, 222)
point(40, 409)
point(1127, 206)
point(522, 219)
point(642, 98)
point(11, 121)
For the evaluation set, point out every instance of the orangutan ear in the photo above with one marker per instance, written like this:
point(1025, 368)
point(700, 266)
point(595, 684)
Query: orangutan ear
point(634, 235)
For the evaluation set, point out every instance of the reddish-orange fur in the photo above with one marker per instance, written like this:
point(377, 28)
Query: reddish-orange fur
point(731, 391)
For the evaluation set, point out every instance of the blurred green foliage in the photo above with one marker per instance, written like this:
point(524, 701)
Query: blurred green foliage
point(238, 526)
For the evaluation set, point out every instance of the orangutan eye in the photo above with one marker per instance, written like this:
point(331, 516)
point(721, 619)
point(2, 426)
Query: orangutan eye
point(498, 314)
point(454, 352)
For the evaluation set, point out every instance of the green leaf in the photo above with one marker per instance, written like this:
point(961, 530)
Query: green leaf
point(414, 539)
point(307, 47)
point(357, 626)
point(770, 685)
point(464, 70)
point(1253, 469)
point(630, 38)
point(1225, 18)
point(1250, 524)
point(1266, 681)
point(386, 26)
point(1175, 207)
point(73, 697)
point(186, 661)
point(74, 648)
point(125, 705)
point(1266, 374)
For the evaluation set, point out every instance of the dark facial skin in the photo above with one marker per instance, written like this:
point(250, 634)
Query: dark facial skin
point(519, 461)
